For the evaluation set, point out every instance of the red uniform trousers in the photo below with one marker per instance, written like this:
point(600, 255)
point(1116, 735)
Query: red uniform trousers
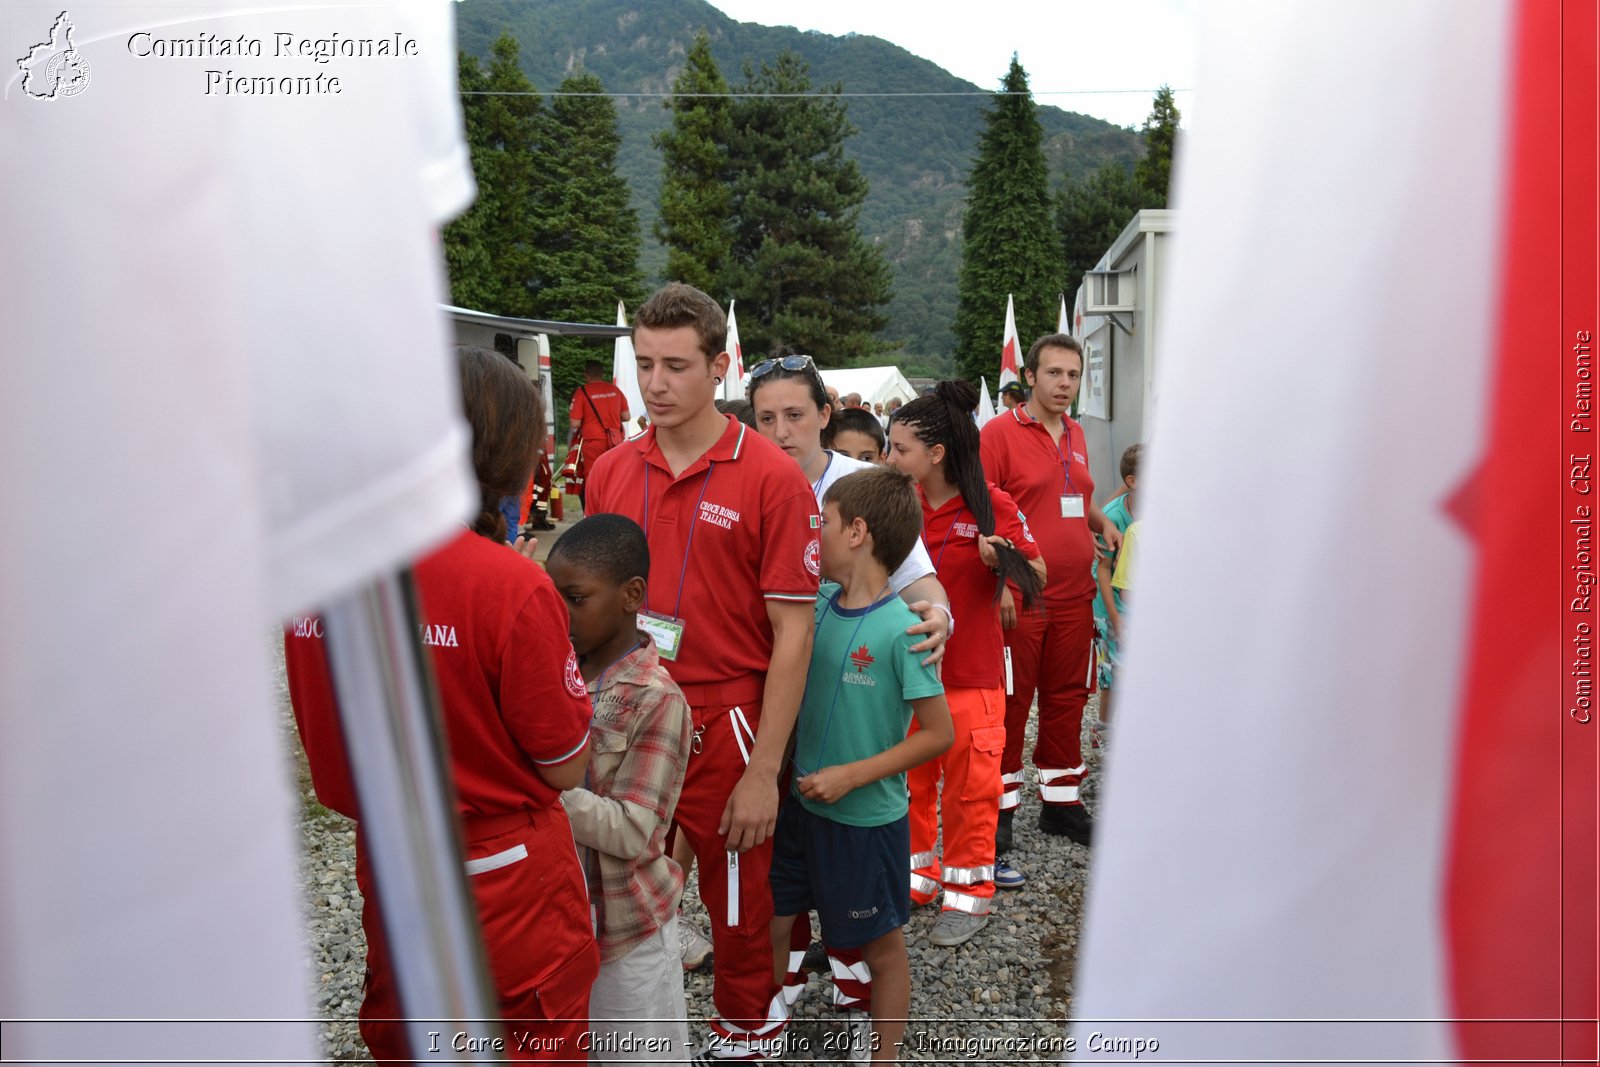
point(533, 905)
point(1052, 651)
point(751, 1010)
point(970, 768)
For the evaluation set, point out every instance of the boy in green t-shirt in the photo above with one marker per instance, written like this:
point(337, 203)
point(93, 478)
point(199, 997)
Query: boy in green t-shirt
point(843, 842)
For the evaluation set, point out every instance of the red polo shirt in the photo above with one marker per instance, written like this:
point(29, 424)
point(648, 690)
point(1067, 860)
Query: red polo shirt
point(605, 408)
point(973, 657)
point(508, 680)
point(737, 528)
point(1021, 457)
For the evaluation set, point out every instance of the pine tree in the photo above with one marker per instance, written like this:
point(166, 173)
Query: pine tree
point(493, 250)
point(803, 274)
point(1090, 214)
point(592, 240)
point(696, 203)
point(1154, 172)
point(1010, 243)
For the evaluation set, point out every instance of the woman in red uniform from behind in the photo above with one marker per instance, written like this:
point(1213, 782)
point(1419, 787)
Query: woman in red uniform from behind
point(517, 720)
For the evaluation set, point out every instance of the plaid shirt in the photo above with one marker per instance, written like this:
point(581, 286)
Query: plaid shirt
point(639, 739)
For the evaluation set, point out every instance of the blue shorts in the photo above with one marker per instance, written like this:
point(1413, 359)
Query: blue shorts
point(856, 878)
point(1107, 656)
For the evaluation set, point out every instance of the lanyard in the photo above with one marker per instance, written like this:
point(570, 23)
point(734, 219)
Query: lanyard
point(838, 678)
point(688, 544)
point(816, 486)
point(937, 563)
point(1066, 471)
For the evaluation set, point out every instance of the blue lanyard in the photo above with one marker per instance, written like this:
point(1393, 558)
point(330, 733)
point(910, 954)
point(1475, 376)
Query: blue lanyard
point(816, 486)
point(946, 542)
point(694, 525)
point(838, 678)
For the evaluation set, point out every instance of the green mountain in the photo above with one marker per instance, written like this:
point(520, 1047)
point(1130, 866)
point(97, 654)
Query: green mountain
point(915, 151)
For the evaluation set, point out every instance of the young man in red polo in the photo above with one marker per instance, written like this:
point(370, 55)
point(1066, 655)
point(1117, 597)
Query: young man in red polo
point(599, 418)
point(1038, 454)
point(732, 528)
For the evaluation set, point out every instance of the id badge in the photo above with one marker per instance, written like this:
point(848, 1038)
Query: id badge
point(1072, 505)
point(665, 631)
point(1007, 650)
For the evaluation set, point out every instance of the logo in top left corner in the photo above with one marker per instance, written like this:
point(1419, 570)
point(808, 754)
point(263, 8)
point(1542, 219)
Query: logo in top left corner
point(54, 69)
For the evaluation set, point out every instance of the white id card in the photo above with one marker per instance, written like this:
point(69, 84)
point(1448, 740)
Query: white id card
point(665, 631)
point(1007, 651)
point(1072, 505)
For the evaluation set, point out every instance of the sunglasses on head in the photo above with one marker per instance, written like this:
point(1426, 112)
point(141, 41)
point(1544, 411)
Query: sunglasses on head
point(789, 363)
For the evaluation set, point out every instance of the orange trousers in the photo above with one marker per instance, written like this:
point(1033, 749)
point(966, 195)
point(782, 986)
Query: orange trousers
point(968, 796)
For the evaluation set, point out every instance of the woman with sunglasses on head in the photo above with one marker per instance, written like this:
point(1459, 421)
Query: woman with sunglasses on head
point(979, 541)
point(793, 412)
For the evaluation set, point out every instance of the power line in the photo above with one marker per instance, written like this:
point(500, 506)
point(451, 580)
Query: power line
point(784, 96)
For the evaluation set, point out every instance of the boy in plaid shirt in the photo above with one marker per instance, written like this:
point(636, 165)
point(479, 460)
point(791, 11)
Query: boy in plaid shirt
point(639, 738)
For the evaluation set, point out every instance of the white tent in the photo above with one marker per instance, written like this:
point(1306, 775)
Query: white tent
point(877, 385)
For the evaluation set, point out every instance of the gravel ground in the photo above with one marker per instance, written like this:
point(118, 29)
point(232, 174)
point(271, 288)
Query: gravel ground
point(1012, 982)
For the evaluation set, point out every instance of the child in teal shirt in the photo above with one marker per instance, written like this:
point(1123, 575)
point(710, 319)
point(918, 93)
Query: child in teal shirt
point(843, 842)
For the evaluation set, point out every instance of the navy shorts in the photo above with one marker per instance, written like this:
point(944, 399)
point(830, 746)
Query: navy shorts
point(856, 878)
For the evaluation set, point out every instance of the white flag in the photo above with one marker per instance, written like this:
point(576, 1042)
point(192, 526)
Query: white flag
point(985, 402)
point(733, 384)
point(625, 373)
point(1287, 861)
point(1010, 349)
point(226, 397)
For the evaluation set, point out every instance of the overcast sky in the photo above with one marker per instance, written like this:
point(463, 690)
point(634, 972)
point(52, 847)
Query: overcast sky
point(1064, 45)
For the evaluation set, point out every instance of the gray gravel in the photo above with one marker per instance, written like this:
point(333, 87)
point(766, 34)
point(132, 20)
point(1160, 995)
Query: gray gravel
point(1011, 983)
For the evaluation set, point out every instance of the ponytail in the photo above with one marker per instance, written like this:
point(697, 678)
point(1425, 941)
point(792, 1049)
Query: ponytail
point(946, 418)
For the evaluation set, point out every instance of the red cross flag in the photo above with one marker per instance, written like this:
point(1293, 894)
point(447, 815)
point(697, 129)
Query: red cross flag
point(1010, 349)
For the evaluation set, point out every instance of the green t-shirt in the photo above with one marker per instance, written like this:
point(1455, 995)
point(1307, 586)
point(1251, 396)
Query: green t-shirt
point(856, 705)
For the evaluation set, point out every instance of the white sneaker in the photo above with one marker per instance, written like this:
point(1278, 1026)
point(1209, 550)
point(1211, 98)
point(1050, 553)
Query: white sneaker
point(858, 1025)
point(693, 946)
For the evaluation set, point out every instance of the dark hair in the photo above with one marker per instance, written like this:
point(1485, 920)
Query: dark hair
point(945, 418)
point(809, 375)
point(507, 419)
point(612, 547)
point(884, 500)
point(594, 367)
point(676, 304)
point(1129, 467)
point(1052, 340)
point(861, 421)
point(742, 410)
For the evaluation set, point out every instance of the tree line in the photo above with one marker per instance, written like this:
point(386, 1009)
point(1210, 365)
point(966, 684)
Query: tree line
point(759, 202)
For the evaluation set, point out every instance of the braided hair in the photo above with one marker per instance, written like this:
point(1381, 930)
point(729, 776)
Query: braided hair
point(944, 417)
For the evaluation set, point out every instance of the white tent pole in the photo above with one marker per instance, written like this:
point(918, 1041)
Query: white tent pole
point(394, 736)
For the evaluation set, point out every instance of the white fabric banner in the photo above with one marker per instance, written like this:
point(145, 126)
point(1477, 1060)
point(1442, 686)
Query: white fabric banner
point(226, 397)
point(1278, 792)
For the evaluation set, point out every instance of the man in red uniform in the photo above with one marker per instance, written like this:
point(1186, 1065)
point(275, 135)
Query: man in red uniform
point(732, 527)
point(1038, 454)
point(599, 417)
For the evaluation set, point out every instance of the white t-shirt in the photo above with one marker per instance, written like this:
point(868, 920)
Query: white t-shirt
point(917, 563)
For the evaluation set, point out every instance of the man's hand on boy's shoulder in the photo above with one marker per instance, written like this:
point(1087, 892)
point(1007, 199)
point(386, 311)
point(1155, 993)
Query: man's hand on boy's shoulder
point(828, 785)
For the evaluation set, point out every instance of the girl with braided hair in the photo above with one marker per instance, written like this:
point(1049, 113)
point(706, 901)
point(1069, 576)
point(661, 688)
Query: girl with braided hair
point(979, 542)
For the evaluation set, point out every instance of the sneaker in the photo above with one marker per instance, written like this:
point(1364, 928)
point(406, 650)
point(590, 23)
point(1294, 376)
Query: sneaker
point(1067, 820)
point(858, 1045)
point(956, 928)
point(1007, 876)
point(1002, 832)
point(692, 946)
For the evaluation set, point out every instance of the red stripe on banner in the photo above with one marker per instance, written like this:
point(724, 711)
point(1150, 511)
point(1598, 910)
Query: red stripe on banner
point(1521, 889)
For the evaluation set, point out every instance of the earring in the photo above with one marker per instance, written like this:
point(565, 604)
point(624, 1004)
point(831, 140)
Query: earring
point(717, 380)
